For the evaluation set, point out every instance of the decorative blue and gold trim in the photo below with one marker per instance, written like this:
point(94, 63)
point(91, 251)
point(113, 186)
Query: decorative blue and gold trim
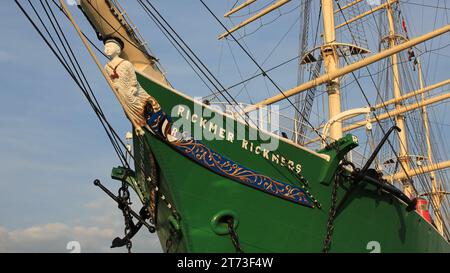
point(159, 124)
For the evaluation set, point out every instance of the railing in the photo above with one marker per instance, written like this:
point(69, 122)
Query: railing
point(263, 118)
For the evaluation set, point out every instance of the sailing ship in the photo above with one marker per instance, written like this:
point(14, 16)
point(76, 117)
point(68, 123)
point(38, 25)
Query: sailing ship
point(212, 173)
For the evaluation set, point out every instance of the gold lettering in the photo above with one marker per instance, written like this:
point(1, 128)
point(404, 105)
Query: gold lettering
point(291, 165)
point(212, 126)
point(222, 133)
point(230, 137)
point(180, 110)
point(276, 158)
point(283, 161)
point(203, 123)
point(194, 118)
point(244, 144)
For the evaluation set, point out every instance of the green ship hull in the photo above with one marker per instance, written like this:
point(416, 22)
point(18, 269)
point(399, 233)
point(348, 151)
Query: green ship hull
point(370, 221)
point(238, 188)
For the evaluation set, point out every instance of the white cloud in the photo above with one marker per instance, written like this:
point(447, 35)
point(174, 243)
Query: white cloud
point(54, 237)
point(4, 240)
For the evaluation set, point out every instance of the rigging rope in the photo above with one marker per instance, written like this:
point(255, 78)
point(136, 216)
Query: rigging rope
point(421, 179)
point(189, 53)
point(367, 100)
point(256, 75)
point(75, 75)
point(262, 25)
point(261, 69)
point(169, 32)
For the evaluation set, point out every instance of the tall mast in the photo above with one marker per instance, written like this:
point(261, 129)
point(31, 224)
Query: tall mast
point(331, 61)
point(305, 102)
point(349, 68)
point(399, 119)
point(436, 195)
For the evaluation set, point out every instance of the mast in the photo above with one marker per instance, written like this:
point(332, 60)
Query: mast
point(400, 118)
point(305, 102)
point(349, 68)
point(253, 18)
point(389, 114)
point(331, 61)
point(436, 195)
point(238, 8)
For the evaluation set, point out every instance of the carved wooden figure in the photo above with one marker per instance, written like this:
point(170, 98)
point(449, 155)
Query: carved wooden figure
point(123, 76)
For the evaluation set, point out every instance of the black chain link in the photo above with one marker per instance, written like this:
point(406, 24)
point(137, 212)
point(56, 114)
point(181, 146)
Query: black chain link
point(305, 188)
point(151, 200)
point(159, 193)
point(173, 234)
point(234, 235)
point(124, 196)
point(304, 184)
point(331, 213)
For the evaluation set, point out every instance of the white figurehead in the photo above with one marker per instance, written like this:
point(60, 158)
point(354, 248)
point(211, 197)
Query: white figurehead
point(123, 77)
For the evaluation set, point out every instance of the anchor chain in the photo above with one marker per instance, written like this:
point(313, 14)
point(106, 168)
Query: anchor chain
point(333, 204)
point(157, 191)
point(234, 236)
point(331, 213)
point(123, 201)
point(151, 201)
point(124, 205)
point(305, 186)
point(356, 177)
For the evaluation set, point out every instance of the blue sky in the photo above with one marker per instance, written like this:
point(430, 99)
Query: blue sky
point(53, 146)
